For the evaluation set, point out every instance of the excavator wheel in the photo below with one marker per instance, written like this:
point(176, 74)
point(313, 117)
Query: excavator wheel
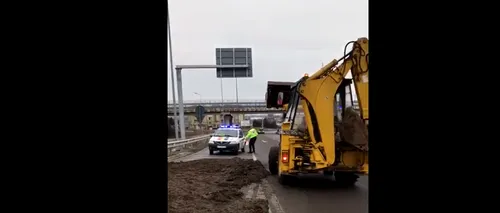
point(346, 178)
point(273, 160)
point(284, 179)
point(328, 173)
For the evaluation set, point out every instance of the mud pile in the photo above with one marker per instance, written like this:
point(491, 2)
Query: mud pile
point(212, 185)
point(353, 129)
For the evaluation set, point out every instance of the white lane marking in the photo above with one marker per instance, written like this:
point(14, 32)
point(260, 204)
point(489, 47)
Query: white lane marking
point(254, 157)
point(274, 203)
point(263, 141)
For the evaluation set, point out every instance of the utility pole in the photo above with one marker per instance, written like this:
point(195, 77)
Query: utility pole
point(176, 117)
point(236, 89)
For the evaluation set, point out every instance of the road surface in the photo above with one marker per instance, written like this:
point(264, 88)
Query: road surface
point(319, 195)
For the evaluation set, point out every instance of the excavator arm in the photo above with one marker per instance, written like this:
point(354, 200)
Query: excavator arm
point(317, 97)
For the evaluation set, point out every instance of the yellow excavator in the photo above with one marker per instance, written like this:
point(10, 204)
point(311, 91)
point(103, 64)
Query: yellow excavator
point(324, 131)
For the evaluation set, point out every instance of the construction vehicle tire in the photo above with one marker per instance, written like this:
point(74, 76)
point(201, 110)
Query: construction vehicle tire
point(328, 173)
point(273, 160)
point(345, 178)
point(284, 179)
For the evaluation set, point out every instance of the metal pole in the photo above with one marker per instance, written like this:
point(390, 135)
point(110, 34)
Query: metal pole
point(236, 90)
point(176, 118)
point(181, 104)
point(198, 94)
point(234, 74)
point(199, 122)
point(221, 96)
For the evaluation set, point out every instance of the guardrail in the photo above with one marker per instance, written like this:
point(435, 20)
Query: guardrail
point(218, 101)
point(183, 143)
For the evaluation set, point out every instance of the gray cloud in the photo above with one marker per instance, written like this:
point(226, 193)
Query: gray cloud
point(288, 38)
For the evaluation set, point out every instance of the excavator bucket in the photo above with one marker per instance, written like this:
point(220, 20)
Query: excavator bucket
point(278, 93)
point(354, 130)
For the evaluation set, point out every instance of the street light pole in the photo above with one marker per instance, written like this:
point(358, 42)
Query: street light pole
point(198, 95)
point(176, 118)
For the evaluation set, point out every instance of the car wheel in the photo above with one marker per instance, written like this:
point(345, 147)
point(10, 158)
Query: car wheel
point(211, 152)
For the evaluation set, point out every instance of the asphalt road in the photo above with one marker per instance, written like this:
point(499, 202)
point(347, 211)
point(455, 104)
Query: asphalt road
point(309, 194)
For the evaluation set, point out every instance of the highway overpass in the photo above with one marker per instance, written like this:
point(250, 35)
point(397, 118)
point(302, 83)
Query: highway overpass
point(217, 107)
point(257, 107)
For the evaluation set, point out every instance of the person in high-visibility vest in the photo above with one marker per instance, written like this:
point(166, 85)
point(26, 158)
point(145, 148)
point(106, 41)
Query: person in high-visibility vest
point(252, 136)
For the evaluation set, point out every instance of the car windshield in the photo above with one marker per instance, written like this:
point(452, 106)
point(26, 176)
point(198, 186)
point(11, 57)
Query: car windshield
point(226, 133)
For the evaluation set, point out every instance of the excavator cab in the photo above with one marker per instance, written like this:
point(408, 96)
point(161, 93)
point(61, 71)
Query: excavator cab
point(343, 99)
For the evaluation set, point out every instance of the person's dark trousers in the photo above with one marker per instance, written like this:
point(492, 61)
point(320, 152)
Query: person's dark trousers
point(251, 145)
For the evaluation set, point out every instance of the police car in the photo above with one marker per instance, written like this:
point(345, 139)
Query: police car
point(227, 138)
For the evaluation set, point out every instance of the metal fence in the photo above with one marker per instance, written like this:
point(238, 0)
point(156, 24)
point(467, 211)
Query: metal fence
point(182, 143)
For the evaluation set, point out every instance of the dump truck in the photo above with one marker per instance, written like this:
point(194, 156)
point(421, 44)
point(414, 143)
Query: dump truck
point(322, 132)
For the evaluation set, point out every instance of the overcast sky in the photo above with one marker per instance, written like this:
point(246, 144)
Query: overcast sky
point(288, 38)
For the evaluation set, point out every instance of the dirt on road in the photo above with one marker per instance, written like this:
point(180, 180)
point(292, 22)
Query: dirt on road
point(213, 185)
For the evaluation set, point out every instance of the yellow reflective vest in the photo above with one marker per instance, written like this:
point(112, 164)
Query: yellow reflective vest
point(252, 133)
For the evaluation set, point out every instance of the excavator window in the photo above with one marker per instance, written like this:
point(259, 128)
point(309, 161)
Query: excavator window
point(295, 113)
point(292, 108)
point(343, 99)
point(338, 108)
point(300, 119)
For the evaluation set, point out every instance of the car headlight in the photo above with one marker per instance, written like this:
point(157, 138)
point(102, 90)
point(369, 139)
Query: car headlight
point(234, 142)
point(210, 141)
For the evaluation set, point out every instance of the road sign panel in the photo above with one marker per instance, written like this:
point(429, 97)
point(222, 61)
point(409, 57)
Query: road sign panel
point(234, 56)
point(200, 113)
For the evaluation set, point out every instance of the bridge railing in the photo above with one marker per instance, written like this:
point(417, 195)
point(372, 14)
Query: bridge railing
point(218, 101)
point(234, 110)
point(225, 103)
point(240, 104)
